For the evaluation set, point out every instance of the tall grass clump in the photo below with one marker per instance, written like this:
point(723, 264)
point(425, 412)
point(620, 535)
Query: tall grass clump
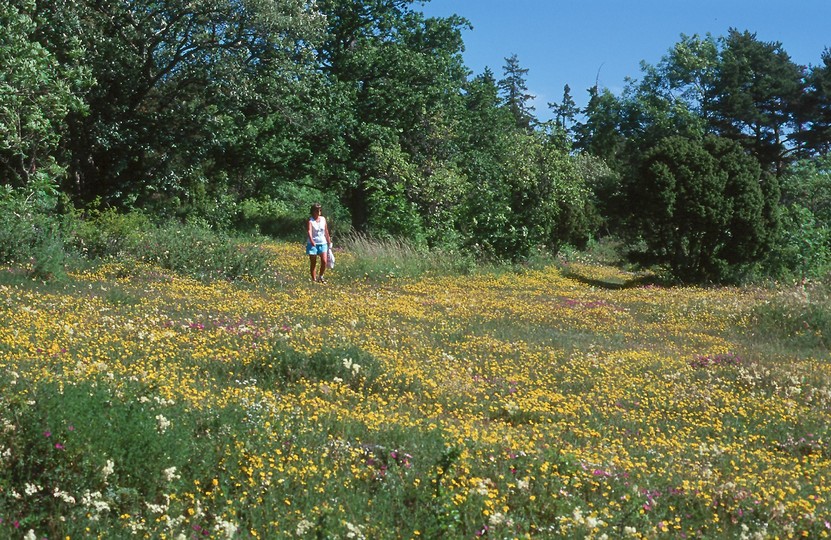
point(799, 316)
point(384, 258)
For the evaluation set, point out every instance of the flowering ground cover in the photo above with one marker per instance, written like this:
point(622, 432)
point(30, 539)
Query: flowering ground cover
point(138, 403)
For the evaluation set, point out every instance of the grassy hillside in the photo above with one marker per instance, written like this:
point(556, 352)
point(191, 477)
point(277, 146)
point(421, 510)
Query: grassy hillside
point(574, 402)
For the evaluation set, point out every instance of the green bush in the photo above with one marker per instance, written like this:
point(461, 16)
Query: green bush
point(32, 233)
point(202, 253)
point(266, 216)
point(86, 454)
point(109, 233)
point(282, 213)
point(702, 208)
point(803, 247)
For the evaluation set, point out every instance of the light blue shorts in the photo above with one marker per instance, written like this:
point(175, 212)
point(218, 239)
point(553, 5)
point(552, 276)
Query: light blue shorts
point(317, 249)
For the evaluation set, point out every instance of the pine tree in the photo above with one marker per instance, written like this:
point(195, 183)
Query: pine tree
point(515, 93)
point(565, 111)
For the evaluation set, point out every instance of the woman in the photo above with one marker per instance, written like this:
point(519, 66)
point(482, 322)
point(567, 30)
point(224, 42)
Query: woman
point(317, 242)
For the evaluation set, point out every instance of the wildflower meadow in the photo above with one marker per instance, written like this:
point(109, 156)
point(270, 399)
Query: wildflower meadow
point(570, 401)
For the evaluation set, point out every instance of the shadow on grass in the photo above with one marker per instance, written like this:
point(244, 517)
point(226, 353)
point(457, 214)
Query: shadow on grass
point(645, 280)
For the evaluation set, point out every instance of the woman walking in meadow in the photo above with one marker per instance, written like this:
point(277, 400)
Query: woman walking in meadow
point(317, 242)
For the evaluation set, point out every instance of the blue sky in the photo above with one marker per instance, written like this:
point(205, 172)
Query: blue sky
point(577, 41)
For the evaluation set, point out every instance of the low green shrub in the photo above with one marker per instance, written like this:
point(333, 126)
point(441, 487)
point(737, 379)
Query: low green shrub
point(110, 233)
point(267, 216)
point(202, 253)
point(32, 233)
point(349, 365)
point(81, 448)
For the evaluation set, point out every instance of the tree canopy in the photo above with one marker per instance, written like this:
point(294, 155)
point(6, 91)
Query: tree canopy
point(240, 113)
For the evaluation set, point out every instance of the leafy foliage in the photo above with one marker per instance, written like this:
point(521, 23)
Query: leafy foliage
point(238, 115)
point(700, 208)
point(803, 248)
point(32, 232)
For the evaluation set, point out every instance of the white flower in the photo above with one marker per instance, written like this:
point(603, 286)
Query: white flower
point(31, 489)
point(522, 484)
point(230, 529)
point(163, 423)
point(631, 531)
point(108, 469)
point(354, 532)
point(481, 488)
point(496, 519)
point(170, 474)
point(156, 508)
point(64, 496)
point(304, 526)
point(30, 535)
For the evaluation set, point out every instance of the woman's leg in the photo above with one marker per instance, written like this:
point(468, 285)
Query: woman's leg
point(324, 260)
point(312, 262)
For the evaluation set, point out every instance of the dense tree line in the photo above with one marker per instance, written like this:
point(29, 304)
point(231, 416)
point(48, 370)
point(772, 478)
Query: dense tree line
point(238, 113)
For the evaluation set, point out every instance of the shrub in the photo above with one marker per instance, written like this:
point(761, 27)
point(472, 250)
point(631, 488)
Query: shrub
point(31, 232)
point(108, 232)
point(349, 365)
point(281, 212)
point(84, 453)
point(201, 253)
point(267, 216)
point(803, 248)
point(701, 208)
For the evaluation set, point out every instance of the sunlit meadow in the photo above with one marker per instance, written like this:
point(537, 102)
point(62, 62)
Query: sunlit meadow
point(542, 403)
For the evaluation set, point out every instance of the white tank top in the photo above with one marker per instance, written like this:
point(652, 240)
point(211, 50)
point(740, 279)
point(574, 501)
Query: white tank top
point(319, 230)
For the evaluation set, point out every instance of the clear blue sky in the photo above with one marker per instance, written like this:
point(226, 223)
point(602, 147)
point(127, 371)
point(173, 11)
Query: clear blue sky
point(575, 42)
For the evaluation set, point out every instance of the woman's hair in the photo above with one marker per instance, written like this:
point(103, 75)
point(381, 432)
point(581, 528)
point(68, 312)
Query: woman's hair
point(315, 206)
